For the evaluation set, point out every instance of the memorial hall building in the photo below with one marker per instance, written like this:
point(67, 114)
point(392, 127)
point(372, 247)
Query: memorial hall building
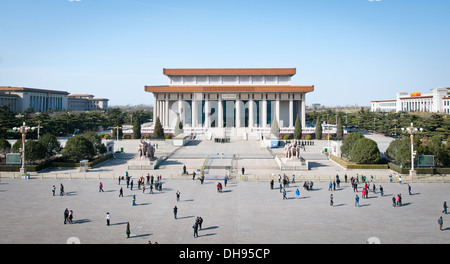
point(233, 101)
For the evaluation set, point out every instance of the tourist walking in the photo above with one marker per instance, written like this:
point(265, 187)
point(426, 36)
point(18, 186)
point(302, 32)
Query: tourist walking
point(100, 187)
point(178, 196)
point(108, 218)
point(393, 201)
point(133, 203)
point(284, 194)
point(195, 227)
point(409, 189)
point(357, 200)
point(445, 207)
point(297, 194)
point(70, 217)
point(381, 191)
point(53, 190)
point(200, 222)
point(128, 230)
point(175, 211)
point(61, 189)
point(66, 215)
point(440, 222)
point(331, 200)
point(121, 192)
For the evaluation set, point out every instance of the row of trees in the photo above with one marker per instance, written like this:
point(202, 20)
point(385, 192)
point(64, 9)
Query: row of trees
point(359, 149)
point(389, 123)
point(47, 146)
point(399, 150)
point(67, 123)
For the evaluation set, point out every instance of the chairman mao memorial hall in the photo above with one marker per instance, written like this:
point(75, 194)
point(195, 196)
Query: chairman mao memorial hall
point(237, 102)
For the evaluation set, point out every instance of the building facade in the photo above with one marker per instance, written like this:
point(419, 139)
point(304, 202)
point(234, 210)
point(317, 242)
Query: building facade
point(86, 102)
point(438, 101)
point(241, 100)
point(38, 100)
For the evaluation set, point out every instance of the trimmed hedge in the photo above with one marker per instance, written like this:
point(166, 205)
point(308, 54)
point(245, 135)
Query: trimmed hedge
point(354, 166)
point(434, 170)
point(28, 167)
point(43, 165)
point(77, 164)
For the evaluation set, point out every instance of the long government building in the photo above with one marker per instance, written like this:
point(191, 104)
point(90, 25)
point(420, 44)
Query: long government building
point(239, 102)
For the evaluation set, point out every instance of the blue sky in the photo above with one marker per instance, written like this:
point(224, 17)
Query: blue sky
point(352, 51)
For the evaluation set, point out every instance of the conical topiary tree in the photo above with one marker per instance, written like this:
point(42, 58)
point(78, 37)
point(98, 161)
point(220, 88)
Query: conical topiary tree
point(318, 129)
point(298, 128)
point(178, 127)
point(274, 128)
point(157, 129)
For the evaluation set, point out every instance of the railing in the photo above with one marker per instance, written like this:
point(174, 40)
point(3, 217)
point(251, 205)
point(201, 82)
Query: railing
point(246, 178)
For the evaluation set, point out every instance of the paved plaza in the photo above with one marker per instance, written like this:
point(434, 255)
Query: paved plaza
point(247, 211)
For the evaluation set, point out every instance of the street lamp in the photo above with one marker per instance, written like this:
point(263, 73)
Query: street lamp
point(117, 135)
point(23, 129)
point(412, 130)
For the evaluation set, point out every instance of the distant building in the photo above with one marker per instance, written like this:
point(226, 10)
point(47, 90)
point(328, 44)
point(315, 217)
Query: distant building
point(86, 102)
point(38, 100)
point(438, 101)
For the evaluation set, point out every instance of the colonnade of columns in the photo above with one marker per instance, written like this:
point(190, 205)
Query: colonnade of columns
point(246, 109)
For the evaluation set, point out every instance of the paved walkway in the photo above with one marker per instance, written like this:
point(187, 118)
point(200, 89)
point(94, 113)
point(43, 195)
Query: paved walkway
point(245, 212)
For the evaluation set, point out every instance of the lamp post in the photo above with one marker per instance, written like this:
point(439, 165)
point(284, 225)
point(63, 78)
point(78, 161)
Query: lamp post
point(23, 129)
point(38, 128)
point(117, 135)
point(412, 130)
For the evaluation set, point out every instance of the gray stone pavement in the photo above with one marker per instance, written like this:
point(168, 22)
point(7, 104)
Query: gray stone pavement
point(246, 212)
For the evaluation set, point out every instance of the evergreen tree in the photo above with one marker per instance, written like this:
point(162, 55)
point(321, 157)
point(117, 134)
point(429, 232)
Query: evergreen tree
point(157, 129)
point(365, 151)
point(178, 127)
point(318, 129)
point(34, 151)
point(274, 128)
point(51, 145)
point(349, 141)
point(339, 127)
point(78, 148)
point(298, 128)
point(136, 129)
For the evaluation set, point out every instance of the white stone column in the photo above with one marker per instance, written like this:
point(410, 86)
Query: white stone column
point(180, 108)
point(250, 111)
point(303, 111)
point(163, 113)
point(277, 109)
point(264, 111)
point(238, 112)
point(291, 110)
point(207, 112)
point(155, 108)
point(194, 111)
point(220, 111)
point(166, 108)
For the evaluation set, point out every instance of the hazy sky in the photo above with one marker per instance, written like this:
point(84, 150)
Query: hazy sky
point(352, 51)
